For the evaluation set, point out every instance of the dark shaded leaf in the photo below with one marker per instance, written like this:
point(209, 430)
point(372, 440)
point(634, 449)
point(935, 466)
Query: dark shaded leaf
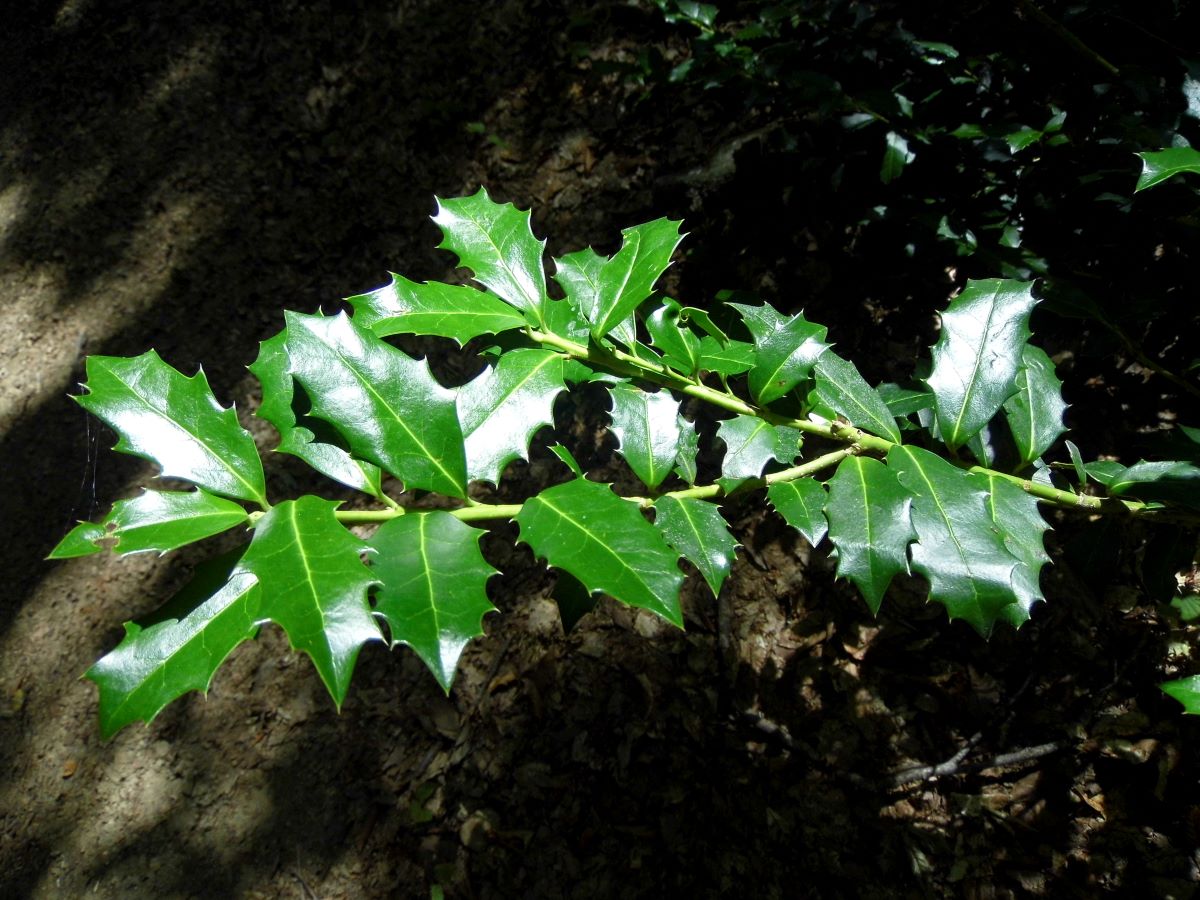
point(697, 531)
point(314, 586)
point(583, 528)
point(432, 587)
point(869, 525)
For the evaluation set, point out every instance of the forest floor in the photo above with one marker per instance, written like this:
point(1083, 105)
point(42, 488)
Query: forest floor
point(173, 176)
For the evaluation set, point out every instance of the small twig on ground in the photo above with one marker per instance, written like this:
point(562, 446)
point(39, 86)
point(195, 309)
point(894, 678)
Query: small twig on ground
point(956, 764)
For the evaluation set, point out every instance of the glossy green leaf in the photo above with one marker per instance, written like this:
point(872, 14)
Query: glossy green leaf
point(686, 452)
point(444, 310)
point(1159, 165)
point(273, 371)
point(568, 459)
point(583, 528)
point(504, 406)
point(1186, 691)
point(785, 350)
point(869, 525)
point(646, 426)
point(386, 405)
point(678, 343)
point(82, 540)
point(156, 520)
point(958, 549)
point(697, 531)
point(314, 586)
point(1081, 471)
point(802, 504)
point(896, 156)
point(1035, 411)
point(1015, 513)
point(1165, 482)
point(495, 241)
point(701, 317)
point(903, 401)
point(750, 443)
point(978, 355)
point(175, 422)
point(730, 358)
point(432, 590)
point(156, 664)
point(628, 277)
point(579, 275)
point(564, 320)
point(840, 387)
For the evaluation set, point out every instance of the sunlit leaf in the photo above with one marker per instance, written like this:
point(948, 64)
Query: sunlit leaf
point(1015, 514)
point(175, 422)
point(504, 406)
point(978, 354)
point(1159, 165)
point(273, 371)
point(959, 548)
point(495, 241)
point(158, 663)
point(840, 387)
point(785, 350)
point(750, 443)
point(388, 406)
point(1035, 411)
point(443, 310)
point(1186, 691)
point(628, 277)
point(162, 521)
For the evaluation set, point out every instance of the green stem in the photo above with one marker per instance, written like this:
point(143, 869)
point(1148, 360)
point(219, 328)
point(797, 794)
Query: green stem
point(479, 512)
point(622, 363)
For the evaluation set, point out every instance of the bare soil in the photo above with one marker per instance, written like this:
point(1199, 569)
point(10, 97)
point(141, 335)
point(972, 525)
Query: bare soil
point(173, 175)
